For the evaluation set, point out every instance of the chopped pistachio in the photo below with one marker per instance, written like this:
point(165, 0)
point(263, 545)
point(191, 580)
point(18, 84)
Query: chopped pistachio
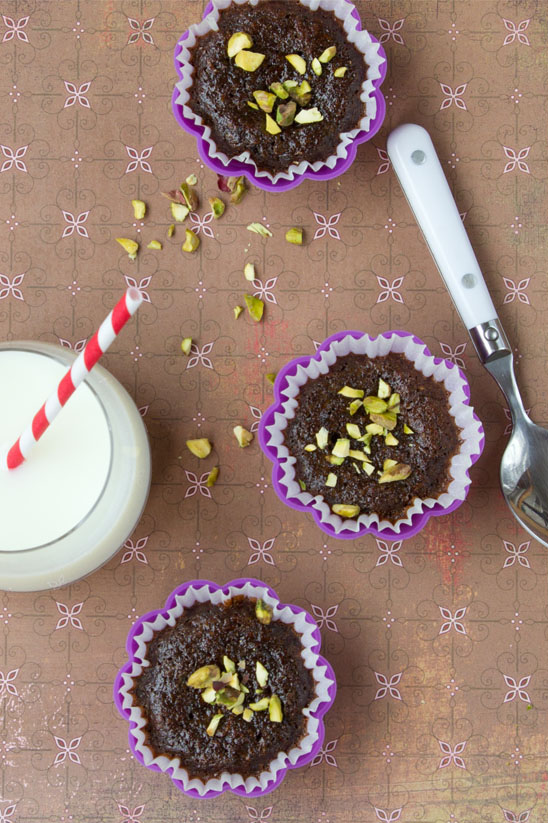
point(331, 480)
point(298, 63)
point(255, 307)
point(128, 245)
point(345, 510)
point(356, 468)
point(341, 71)
point(171, 230)
point(353, 431)
point(237, 311)
point(230, 697)
point(341, 447)
point(217, 207)
point(310, 448)
point(271, 376)
point(186, 344)
point(407, 429)
point(375, 404)
point(347, 391)
point(265, 100)
point(334, 461)
point(244, 689)
point(358, 455)
point(368, 468)
point(192, 241)
point(212, 477)
point(258, 228)
point(213, 724)
point(248, 60)
point(279, 90)
point(271, 126)
point(237, 187)
point(390, 440)
point(252, 105)
point(263, 613)
point(302, 484)
point(328, 54)
point(316, 66)
point(275, 709)
point(388, 419)
point(238, 41)
point(243, 436)
point(294, 236)
point(237, 710)
point(374, 428)
point(285, 113)
point(394, 400)
point(302, 93)
point(249, 272)
point(354, 406)
point(139, 209)
point(388, 463)
point(384, 389)
point(203, 677)
point(179, 212)
point(200, 447)
point(261, 674)
point(247, 715)
point(289, 84)
point(209, 695)
point(190, 196)
point(191, 180)
point(398, 472)
point(229, 664)
point(155, 244)
point(322, 437)
point(261, 705)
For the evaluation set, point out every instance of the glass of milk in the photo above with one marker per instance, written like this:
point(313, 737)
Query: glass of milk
point(68, 508)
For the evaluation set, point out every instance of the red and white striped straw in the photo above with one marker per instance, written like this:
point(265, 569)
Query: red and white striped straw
point(95, 348)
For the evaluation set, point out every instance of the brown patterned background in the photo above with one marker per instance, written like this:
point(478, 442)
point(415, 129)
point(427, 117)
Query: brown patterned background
point(439, 644)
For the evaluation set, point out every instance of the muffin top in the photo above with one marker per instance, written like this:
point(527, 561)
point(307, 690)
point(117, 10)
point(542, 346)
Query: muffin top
point(372, 435)
point(225, 689)
point(277, 29)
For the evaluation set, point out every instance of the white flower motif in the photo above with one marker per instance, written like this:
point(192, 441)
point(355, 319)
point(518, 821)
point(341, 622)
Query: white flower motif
point(452, 755)
point(197, 485)
point(385, 165)
point(261, 552)
point(198, 356)
point(78, 347)
point(516, 290)
point(391, 30)
point(69, 616)
point(512, 817)
point(516, 32)
point(15, 29)
point(8, 286)
point(516, 159)
point(131, 816)
point(77, 95)
point(142, 286)
point(265, 292)
point(140, 30)
point(452, 620)
point(388, 817)
point(6, 683)
point(516, 689)
point(325, 754)
point(390, 289)
point(67, 750)
point(257, 414)
point(454, 355)
point(5, 816)
point(388, 553)
point(327, 226)
point(139, 160)
point(255, 815)
point(388, 686)
point(135, 550)
point(324, 618)
point(201, 224)
point(453, 96)
point(143, 410)
point(516, 554)
point(14, 158)
point(75, 223)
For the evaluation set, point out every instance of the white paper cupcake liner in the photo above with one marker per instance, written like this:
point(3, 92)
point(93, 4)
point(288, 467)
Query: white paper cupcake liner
point(359, 38)
point(442, 371)
point(311, 659)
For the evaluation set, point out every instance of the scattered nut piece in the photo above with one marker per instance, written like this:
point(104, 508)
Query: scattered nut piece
point(213, 724)
point(265, 100)
point(261, 674)
point(258, 228)
point(398, 472)
point(241, 665)
point(243, 436)
point(279, 90)
point(248, 60)
point(247, 715)
point(186, 344)
point(358, 455)
point(200, 447)
point(237, 311)
point(322, 437)
point(341, 71)
point(310, 448)
point(179, 212)
point(190, 196)
point(271, 126)
point(302, 484)
point(331, 480)
point(407, 429)
point(388, 419)
point(285, 113)
point(394, 401)
point(229, 664)
point(191, 180)
point(374, 428)
point(203, 677)
point(128, 245)
point(354, 406)
point(375, 404)
point(348, 391)
point(217, 207)
point(353, 431)
point(252, 105)
point(301, 93)
point(384, 389)
point(139, 209)
point(271, 376)
point(192, 241)
point(298, 63)
point(388, 464)
point(345, 510)
point(294, 236)
point(275, 709)
point(255, 307)
point(238, 41)
point(237, 187)
point(263, 613)
point(368, 468)
point(249, 272)
point(390, 440)
point(212, 477)
point(209, 695)
point(334, 461)
point(316, 66)
point(261, 705)
point(238, 710)
point(155, 244)
point(328, 54)
point(341, 447)
point(171, 230)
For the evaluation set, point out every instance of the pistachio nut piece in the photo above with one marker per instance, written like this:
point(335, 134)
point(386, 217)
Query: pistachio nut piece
point(261, 674)
point(190, 196)
point(237, 311)
point(186, 344)
point(353, 431)
point(192, 241)
point(243, 436)
point(301, 93)
point(155, 244)
point(128, 245)
point(255, 307)
point(341, 447)
point(248, 60)
point(275, 709)
point(265, 100)
point(407, 429)
point(247, 715)
point(398, 472)
point(316, 66)
point(331, 480)
point(229, 664)
point(341, 71)
point(209, 695)
point(249, 272)
point(285, 113)
point(237, 187)
point(298, 63)
point(203, 677)
point(294, 236)
point(252, 105)
point(200, 447)
point(263, 613)
point(139, 209)
point(328, 54)
point(217, 207)
point(271, 376)
point(345, 510)
point(279, 90)
point(390, 440)
point(261, 705)
point(271, 126)
point(322, 437)
point(258, 228)
point(375, 404)
point(348, 391)
point(387, 420)
point(384, 389)
point(212, 477)
point(171, 230)
point(179, 212)
point(213, 724)
point(354, 406)
point(237, 42)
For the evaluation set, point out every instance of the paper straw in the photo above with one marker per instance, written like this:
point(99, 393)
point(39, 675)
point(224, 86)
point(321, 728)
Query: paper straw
point(94, 350)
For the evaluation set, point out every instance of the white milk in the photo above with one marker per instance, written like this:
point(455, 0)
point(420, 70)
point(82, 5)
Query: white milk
point(68, 508)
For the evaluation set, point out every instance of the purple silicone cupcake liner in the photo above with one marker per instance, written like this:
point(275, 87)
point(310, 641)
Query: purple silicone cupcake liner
point(318, 713)
point(419, 520)
point(236, 168)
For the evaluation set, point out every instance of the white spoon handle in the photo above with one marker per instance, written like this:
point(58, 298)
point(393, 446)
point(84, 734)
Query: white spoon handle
point(421, 177)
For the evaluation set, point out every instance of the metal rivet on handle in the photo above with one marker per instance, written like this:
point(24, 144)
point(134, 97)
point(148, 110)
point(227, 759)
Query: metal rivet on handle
point(491, 334)
point(468, 281)
point(418, 157)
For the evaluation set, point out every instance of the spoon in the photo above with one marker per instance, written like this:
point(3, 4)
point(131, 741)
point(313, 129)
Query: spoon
point(524, 465)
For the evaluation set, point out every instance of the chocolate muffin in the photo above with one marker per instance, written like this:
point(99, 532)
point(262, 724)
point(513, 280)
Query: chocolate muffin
point(225, 689)
point(277, 80)
point(372, 435)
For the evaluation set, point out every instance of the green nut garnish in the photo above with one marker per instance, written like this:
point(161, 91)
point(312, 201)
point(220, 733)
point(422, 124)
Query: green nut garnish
point(348, 391)
point(248, 60)
point(279, 90)
point(238, 41)
point(397, 472)
point(275, 709)
point(217, 207)
point(328, 54)
point(316, 66)
point(285, 113)
point(265, 100)
point(294, 236)
point(255, 307)
point(213, 724)
point(263, 613)
point(297, 62)
point(344, 510)
point(203, 677)
point(271, 126)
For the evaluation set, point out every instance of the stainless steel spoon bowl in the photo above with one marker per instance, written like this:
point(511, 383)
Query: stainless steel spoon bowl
point(524, 465)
